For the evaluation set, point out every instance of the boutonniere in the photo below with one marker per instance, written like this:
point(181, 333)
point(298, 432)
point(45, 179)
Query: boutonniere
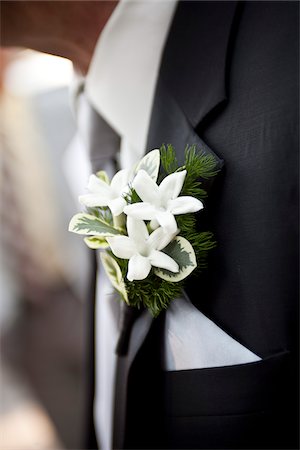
point(144, 222)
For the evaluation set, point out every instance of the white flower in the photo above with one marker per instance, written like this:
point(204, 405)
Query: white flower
point(142, 250)
point(161, 203)
point(103, 194)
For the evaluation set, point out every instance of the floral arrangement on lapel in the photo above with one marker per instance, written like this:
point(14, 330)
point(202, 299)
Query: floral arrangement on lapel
point(144, 221)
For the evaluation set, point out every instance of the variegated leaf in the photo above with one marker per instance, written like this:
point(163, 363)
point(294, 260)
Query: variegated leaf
point(95, 242)
point(150, 163)
point(92, 226)
point(183, 253)
point(114, 274)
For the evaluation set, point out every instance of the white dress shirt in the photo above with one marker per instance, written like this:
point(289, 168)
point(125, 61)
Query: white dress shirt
point(120, 85)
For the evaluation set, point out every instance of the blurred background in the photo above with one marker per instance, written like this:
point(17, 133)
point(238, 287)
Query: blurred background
point(44, 269)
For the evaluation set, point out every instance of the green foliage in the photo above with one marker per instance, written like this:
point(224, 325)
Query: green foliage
point(199, 165)
point(132, 196)
point(202, 243)
point(177, 252)
point(95, 242)
point(183, 253)
point(150, 163)
point(90, 225)
point(168, 159)
point(102, 213)
point(153, 293)
point(186, 224)
point(114, 273)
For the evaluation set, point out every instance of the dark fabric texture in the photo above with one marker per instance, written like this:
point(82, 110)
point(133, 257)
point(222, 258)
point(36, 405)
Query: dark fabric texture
point(90, 441)
point(242, 406)
point(229, 79)
point(145, 412)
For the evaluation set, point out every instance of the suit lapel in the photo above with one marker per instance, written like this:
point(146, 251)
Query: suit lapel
point(192, 79)
point(169, 125)
point(194, 63)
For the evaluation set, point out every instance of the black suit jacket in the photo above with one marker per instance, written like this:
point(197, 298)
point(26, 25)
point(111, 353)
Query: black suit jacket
point(228, 83)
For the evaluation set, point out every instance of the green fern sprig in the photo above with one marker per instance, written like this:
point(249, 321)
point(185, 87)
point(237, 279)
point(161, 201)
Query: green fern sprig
point(199, 165)
point(186, 224)
point(193, 189)
point(168, 159)
point(204, 242)
point(152, 293)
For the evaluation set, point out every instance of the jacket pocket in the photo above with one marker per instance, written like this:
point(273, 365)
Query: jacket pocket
point(241, 406)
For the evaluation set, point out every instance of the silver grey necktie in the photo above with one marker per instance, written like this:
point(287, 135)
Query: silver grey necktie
point(101, 141)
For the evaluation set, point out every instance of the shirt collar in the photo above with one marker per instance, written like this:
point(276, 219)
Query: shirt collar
point(122, 76)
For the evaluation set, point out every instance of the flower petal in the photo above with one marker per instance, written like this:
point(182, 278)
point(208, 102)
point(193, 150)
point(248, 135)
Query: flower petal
point(146, 188)
point(120, 181)
point(93, 200)
point(159, 239)
point(183, 205)
point(117, 205)
point(137, 230)
point(122, 246)
point(142, 211)
point(154, 224)
point(171, 186)
point(96, 185)
point(163, 261)
point(138, 268)
point(167, 221)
